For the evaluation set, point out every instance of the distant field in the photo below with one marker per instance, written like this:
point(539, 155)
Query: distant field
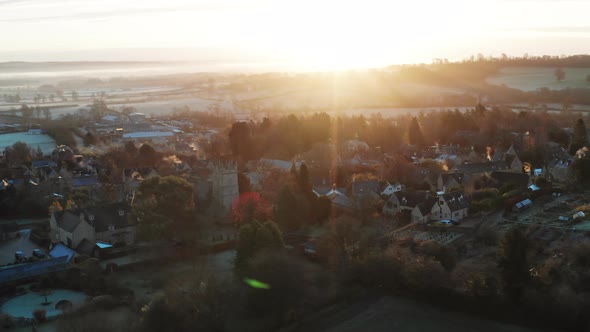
point(532, 78)
point(45, 142)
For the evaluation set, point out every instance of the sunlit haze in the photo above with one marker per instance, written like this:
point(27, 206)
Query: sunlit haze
point(303, 34)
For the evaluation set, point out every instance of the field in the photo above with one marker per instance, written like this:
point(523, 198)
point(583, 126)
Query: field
point(533, 78)
point(45, 142)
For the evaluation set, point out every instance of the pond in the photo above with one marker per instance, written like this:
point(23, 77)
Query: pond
point(24, 305)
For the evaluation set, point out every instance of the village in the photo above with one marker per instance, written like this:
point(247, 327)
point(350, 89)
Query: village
point(91, 196)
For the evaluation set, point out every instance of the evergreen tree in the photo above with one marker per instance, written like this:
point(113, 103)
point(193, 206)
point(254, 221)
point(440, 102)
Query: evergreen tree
point(303, 180)
point(286, 213)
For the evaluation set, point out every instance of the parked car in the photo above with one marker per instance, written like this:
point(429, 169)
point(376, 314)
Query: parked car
point(38, 253)
point(443, 223)
point(20, 256)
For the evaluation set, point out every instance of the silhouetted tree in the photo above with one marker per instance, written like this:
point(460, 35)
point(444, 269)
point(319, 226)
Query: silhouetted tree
point(240, 141)
point(147, 155)
point(286, 212)
point(559, 74)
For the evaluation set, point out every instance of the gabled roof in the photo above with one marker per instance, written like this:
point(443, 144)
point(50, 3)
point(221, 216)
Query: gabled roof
point(107, 215)
point(67, 220)
point(426, 206)
point(517, 179)
point(43, 163)
point(60, 250)
point(488, 166)
point(411, 199)
point(446, 177)
point(456, 200)
point(341, 200)
point(85, 181)
point(365, 187)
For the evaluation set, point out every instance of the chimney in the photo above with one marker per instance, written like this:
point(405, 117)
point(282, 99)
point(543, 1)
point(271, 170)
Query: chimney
point(82, 216)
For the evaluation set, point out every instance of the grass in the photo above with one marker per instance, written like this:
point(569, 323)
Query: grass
point(533, 78)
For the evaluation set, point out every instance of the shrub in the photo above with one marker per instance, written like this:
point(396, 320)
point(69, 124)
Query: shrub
point(581, 254)
point(487, 236)
point(6, 321)
point(40, 315)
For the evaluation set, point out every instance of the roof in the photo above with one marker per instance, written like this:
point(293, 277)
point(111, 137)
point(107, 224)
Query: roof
point(322, 191)
point(411, 198)
point(364, 187)
point(148, 134)
point(110, 117)
point(60, 250)
point(517, 179)
point(277, 163)
point(446, 177)
point(341, 200)
point(103, 245)
point(426, 206)
point(84, 181)
point(43, 163)
point(67, 220)
point(107, 215)
point(487, 166)
point(456, 200)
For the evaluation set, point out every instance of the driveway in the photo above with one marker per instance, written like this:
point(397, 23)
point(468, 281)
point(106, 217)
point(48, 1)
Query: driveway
point(23, 243)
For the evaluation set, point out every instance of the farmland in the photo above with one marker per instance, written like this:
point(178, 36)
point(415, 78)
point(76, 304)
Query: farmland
point(533, 78)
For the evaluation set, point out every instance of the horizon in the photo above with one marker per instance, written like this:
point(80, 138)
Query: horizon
point(306, 35)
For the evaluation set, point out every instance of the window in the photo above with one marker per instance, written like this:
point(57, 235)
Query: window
point(91, 217)
point(121, 213)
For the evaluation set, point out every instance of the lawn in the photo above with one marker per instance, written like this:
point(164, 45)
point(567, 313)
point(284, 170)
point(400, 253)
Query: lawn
point(532, 78)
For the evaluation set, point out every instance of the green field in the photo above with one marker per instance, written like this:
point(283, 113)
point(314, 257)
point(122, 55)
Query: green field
point(532, 78)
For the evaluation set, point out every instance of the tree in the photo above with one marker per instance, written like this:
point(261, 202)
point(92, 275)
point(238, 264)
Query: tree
point(147, 155)
point(163, 207)
point(323, 208)
point(513, 263)
point(286, 212)
point(240, 140)
point(286, 280)
point(559, 74)
point(415, 136)
point(244, 183)
point(579, 137)
point(26, 112)
point(249, 207)
point(98, 108)
point(131, 149)
point(303, 180)
point(46, 113)
point(254, 237)
point(18, 154)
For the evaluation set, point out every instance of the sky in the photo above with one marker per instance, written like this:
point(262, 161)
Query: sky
point(308, 34)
